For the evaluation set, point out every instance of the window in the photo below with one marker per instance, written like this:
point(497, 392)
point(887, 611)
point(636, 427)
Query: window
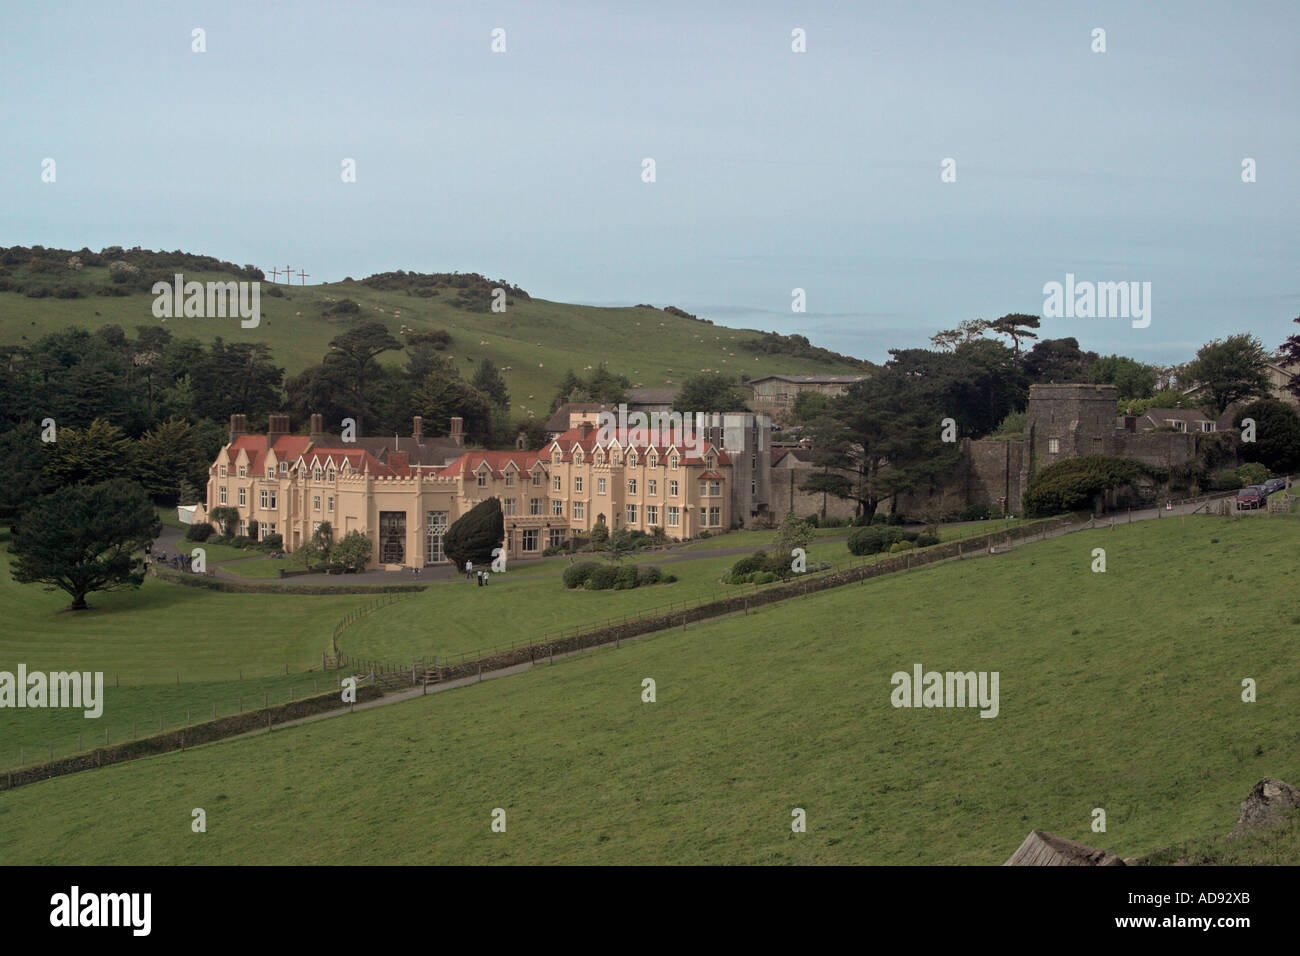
point(652, 486)
point(715, 516)
point(557, 537)
point(600, 486)
point(672, 488)
point(243, 471)
point(715, 489)
point(577, 456)
point(316, 473)
point(270, 472)
point(243, 526)
point(510, 542)
point(631, 486)
point(672, 462)
point(631, 514)
point(534, 506)
point(274, 499)
point(537, 479)
point(651, 515)
point(263, 498)
point(704, 488)
point(615, 458)
point(577, 484)
point(284, 468)
point(329, 503)
point(579, 511)
point(270, 525)
point(555, 458)
point(510, 479)
point(508, 506)
point(557, 508)
point(221, 494)
point(482, 480)
point(223, 471)
point(530, 539)
point(600, 456)
point(1208, 426)
point(331, 474)
point(674, 516)
point(243, 497)
point(631, 458)
point(555, 483)
point(315, 502)
point(653, 460)
point(1053, 446)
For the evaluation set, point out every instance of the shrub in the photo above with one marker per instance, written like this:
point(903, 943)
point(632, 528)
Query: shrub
point(239, 541)
point(626, 577)
point(749, 564)
point(667, 578)
point(576, 575)
point(198, 532)
point(705, 533)
point(927, 538)
point(1226, 481)
point(649, 574)
point(878, 518)
point(353, 552)
point(602, 578)
point(898, 546)
point(273, 542)
point(1252, 473)
point(895, 519)
point(763, 577)
point(1071, 485)
point(599, 536)
point(552, 551)
point(873, 539)
point(474, 534)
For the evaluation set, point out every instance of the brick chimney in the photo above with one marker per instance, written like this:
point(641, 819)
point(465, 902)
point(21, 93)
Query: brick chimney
point(457, 430)
point(277, 426)
point(317, 425)
point(585, 429)
point(238, 426)
point(417, 430)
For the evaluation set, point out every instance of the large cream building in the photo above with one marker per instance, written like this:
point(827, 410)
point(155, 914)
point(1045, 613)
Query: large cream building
point(403, 493)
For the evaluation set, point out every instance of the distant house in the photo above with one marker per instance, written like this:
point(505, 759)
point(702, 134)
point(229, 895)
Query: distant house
point(773, 393)
point(571, 415)
point(1179, 419)
point(1280, 373)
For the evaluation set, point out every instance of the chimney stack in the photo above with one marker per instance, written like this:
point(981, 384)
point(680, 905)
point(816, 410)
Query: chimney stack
point(277, 426)
point(457, 428)
point(317, 425)
point(417, 431)
point(585, 428)
point(238, 426)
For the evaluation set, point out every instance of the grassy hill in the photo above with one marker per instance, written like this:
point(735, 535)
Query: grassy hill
point(1118, 690)
point(536, 341)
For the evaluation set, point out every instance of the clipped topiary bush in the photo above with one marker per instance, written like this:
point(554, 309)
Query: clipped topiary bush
point(898, 546)
point(474, 534)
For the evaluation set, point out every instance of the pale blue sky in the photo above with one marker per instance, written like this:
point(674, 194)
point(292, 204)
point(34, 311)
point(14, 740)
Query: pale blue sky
point(775, 170)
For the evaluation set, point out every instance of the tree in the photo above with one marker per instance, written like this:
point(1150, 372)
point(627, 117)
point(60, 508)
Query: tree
point(474, 535)
point(487, 379)
point(534, 431)
point(969, 330)
point(795, 532)
point(85, 538)
point(599, 535)
point(1230, 369)
point(319, 546)
point(709, 392)
point(26, 476)
point(166, 456)
point(1058, 361)
point(227, 518)
point(1133, 379)
point(810, 406)
point(1291, 356)
point(620, 545)
point(1277, 435)
point(440, 397)
point(1016, 326)
point(89, 456)
point(354, 353)
point(353, 552)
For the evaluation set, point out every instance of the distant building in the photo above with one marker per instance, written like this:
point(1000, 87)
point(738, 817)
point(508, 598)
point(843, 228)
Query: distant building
point(777, 393)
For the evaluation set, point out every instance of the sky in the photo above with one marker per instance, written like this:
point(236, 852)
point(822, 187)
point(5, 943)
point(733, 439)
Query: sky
point(774, 170)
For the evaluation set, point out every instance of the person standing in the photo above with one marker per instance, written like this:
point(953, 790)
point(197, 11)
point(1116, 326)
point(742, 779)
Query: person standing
point(469, 569)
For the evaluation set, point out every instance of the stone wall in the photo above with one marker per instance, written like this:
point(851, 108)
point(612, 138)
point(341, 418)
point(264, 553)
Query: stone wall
point(785, 496)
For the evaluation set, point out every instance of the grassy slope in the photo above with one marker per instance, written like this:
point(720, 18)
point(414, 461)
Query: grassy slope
point(650, 346)
point(1118, 690)
point(146, 639)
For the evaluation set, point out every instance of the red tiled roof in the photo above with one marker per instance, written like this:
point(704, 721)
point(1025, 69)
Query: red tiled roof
point(497, 461)
point(573, 438)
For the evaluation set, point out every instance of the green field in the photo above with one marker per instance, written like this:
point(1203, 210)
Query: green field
point(536, 341)
point(1118, 690)
point(163, 649)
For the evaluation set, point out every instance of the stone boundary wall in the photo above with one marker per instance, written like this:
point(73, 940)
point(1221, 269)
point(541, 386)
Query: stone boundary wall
point(192, 736)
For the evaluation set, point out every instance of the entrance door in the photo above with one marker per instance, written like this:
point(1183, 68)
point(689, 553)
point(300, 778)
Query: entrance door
point(392, 537)
point(435, 526)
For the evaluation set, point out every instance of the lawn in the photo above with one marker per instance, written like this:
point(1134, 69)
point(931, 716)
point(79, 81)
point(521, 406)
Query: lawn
point(1118, 690)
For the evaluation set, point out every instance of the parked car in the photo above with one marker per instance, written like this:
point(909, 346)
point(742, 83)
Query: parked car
point(1250, 498)
point(1274, 484)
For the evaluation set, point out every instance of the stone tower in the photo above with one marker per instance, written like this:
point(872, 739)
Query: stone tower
point(1069, 421)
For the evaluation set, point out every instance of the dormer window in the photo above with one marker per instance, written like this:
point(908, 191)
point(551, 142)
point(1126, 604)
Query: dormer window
point(331, 474)
point(555, 458)
point(672, 461)
point(316, 473)
point(223, 471)
point(284, 467)
point(615, 457)
point(631, 458)
point(537, 478)
point(510, 479)
point(270, 472)
point(243, 471)
point(653, 460)
point(600, 458)
point(577, 456)
point(482, 479)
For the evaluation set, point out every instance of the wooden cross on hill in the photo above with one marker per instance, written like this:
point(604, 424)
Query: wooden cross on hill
point(274, 273)
point(289, 272)
point(303, 276)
